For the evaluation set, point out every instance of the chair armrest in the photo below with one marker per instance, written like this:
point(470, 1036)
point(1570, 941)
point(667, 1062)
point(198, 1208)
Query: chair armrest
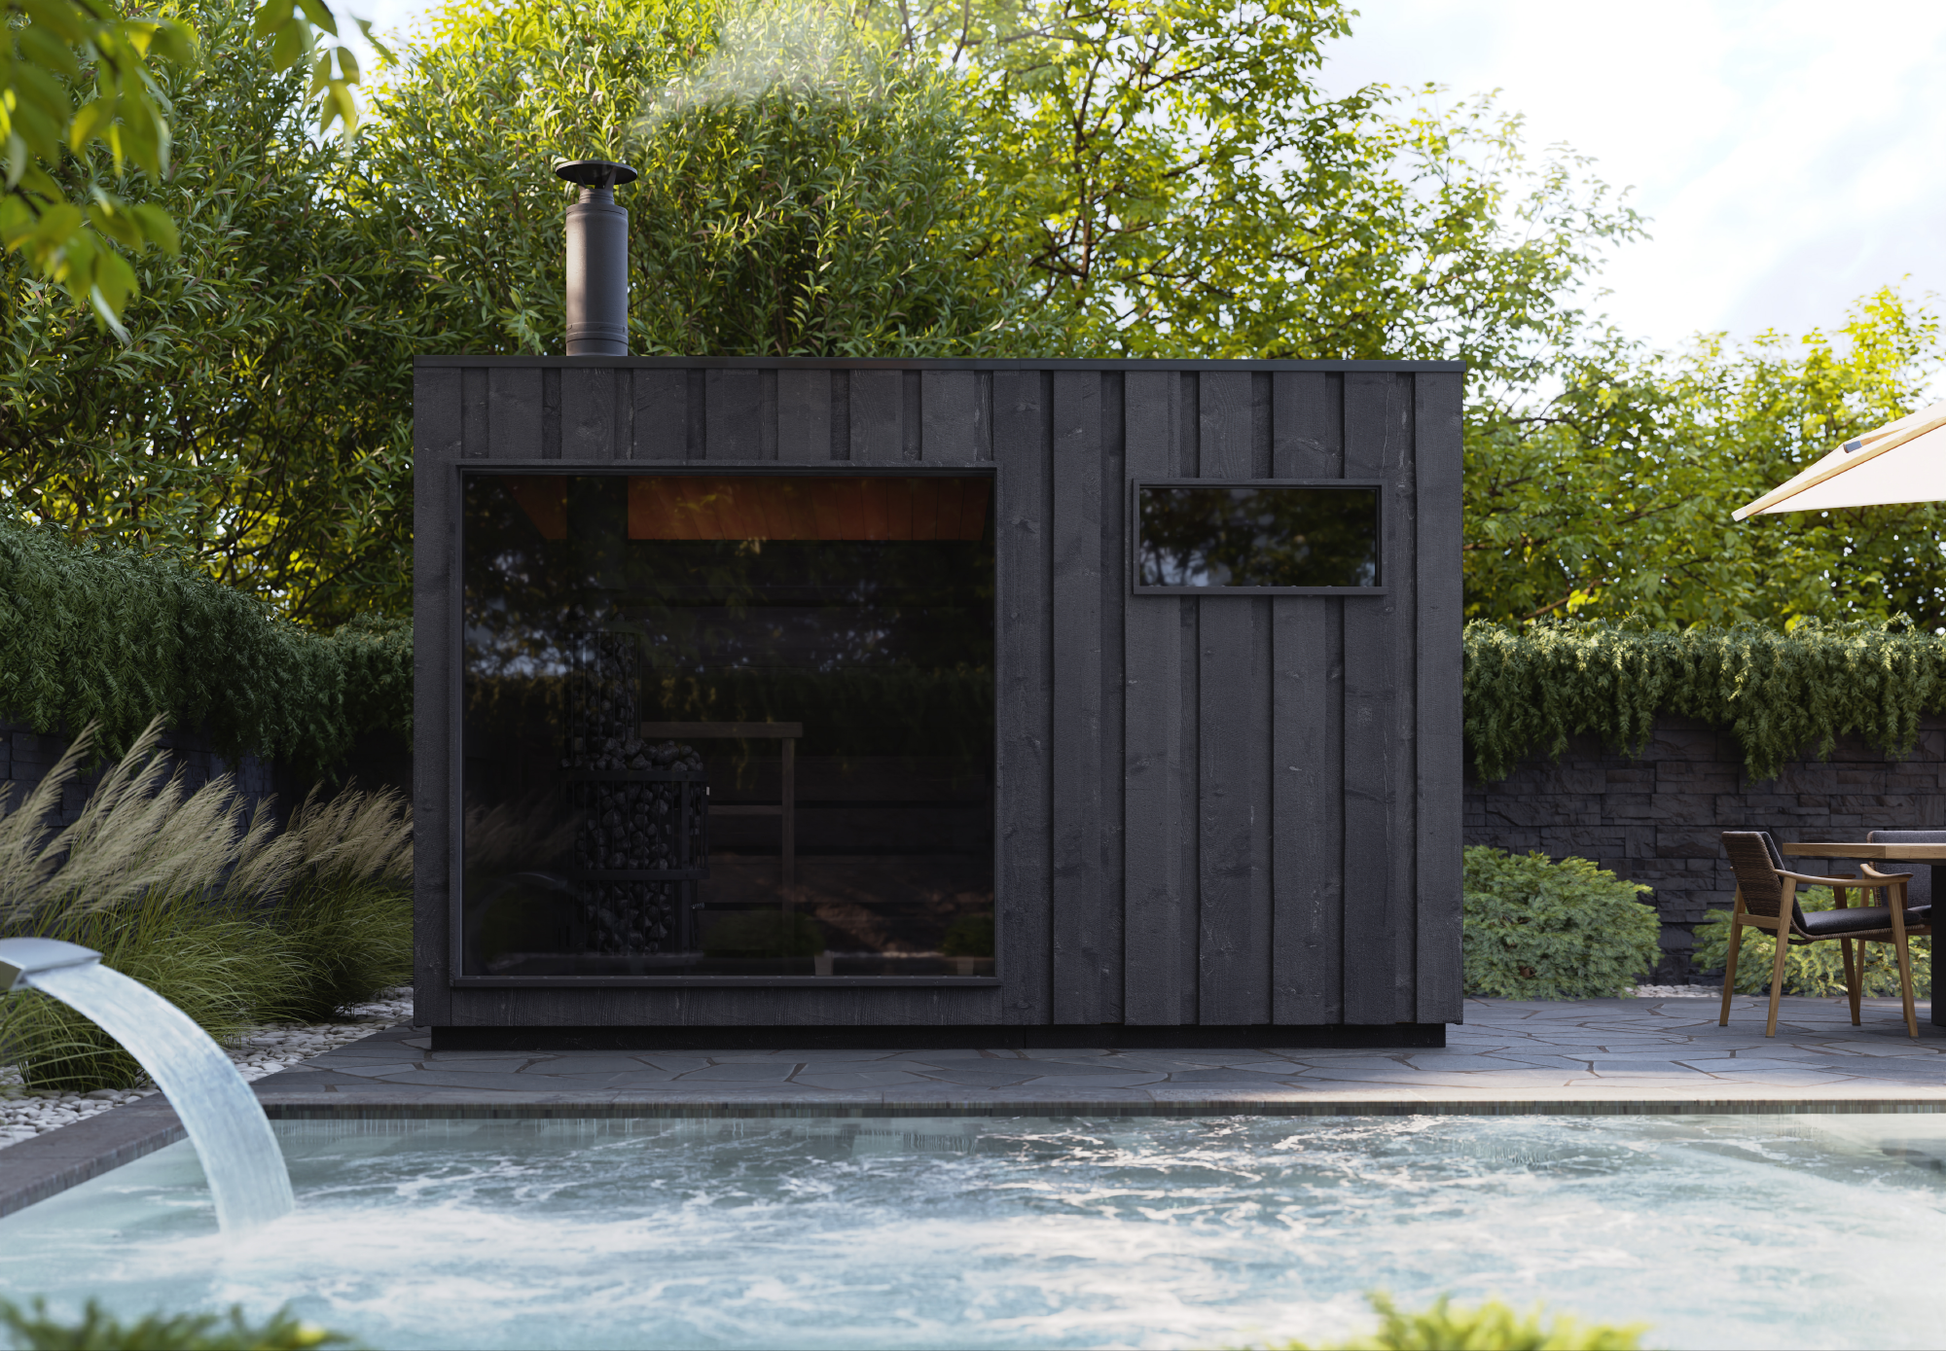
point(1817, 880)
point(1875, 875)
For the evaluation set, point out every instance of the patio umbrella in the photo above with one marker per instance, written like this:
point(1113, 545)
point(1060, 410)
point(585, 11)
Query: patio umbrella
point(1903, 461)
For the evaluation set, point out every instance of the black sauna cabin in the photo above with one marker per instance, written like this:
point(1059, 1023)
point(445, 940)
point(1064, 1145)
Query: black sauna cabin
point(992, 703)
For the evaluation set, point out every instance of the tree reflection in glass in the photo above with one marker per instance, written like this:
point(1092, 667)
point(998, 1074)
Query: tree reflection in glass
point(1257, 536)
point(856, 612)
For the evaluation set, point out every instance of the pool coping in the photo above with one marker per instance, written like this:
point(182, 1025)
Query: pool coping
point(1310, 1105)
point(56, 1160)
point(372, 1080)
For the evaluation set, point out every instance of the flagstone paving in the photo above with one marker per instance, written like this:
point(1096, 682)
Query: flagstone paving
point(1600, 1055)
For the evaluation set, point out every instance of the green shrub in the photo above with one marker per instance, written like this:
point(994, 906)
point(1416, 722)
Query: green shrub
point(98, 1330)
point(1809, 968)
point(348, 941)
point(1537, 929)
point(1492, 1326)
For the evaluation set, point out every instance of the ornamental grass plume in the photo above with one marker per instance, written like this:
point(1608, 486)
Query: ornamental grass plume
point(202, 898)
point(140, 833)
point(347, 910)
point(353, 837)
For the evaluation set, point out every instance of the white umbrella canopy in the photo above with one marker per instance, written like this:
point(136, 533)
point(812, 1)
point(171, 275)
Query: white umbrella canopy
point(1903, 461)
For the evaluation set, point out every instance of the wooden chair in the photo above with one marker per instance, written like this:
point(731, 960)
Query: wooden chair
point(1918, 892)
point(1767, 899)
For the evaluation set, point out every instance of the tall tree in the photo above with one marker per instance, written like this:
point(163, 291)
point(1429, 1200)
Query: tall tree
point(81, 103)
point(1179, 180)
point(1612, 498)
point(803, 190)
point(257, 416)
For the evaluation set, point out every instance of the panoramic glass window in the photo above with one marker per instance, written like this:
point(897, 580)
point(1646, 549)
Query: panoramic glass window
point(1255, 535)
point(728, 725)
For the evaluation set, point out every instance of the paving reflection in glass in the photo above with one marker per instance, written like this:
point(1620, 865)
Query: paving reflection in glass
point(728, 725)
point(951, 1232)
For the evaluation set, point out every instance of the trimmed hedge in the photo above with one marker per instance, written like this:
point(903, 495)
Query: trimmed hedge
point(108, 635)
point(1532, 689)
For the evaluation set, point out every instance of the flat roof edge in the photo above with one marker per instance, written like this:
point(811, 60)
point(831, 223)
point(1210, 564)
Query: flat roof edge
point(936, 363)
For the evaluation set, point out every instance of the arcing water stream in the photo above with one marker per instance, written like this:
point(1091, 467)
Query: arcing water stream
point(219, 1112)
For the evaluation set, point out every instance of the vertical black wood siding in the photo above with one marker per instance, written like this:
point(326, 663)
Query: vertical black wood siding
point(1217, 810)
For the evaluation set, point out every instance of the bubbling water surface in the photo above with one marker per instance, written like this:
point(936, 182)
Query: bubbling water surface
point(964, 1232)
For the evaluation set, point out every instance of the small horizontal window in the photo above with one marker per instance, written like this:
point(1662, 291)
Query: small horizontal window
point(1256, 536)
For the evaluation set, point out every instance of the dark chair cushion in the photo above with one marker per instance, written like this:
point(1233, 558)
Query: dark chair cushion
point(1919, 890)
point(1858, 919)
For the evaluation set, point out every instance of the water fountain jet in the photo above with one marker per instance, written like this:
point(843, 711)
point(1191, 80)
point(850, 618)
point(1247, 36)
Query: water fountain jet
point(220, 1114)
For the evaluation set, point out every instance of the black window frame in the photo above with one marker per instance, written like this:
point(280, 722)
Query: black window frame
point(455, 589)
point(1137, 587)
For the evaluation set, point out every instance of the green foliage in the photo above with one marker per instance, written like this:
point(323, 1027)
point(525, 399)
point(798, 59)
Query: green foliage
point(752, 934)
point(1531, 689)
point(80, 102)
point(98, 1330)
point(231, 920)
point(804, 190)
point(1809, 968)
point(347, 940)
point(807, 191)
point(1537, 929)
point(304, 34)
point(345, 915)
point(258, 416)
point(968, 936)
point(1092, 177)
point(1612, 497)
point(1182, 186)
point(1492, 1326)
point(109, 636)
point(1088, 177)
point(81, 81)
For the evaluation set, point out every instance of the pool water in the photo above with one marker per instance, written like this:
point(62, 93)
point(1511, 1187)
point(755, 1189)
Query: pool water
point(961, 1232)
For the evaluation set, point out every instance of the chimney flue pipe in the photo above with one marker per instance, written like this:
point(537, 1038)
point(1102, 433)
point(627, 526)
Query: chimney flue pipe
point(597, 260)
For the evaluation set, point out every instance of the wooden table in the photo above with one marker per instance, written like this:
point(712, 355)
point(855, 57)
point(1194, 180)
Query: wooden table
point(1934, 854)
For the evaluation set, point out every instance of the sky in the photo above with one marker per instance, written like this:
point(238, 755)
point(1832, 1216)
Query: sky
point(1788, 154)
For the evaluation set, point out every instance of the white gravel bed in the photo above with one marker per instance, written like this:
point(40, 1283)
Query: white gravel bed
point(25, 1113)
point(1677, 992)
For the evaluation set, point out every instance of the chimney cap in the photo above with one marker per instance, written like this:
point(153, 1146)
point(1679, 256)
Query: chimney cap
point(595, 173)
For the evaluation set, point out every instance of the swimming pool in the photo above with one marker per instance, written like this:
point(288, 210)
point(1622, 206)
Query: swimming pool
point(951, 1231)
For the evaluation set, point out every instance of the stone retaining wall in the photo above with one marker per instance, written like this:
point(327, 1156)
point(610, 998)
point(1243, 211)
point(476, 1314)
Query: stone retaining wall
point(377, 760)
point(1656, 819)
point(27, 755)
